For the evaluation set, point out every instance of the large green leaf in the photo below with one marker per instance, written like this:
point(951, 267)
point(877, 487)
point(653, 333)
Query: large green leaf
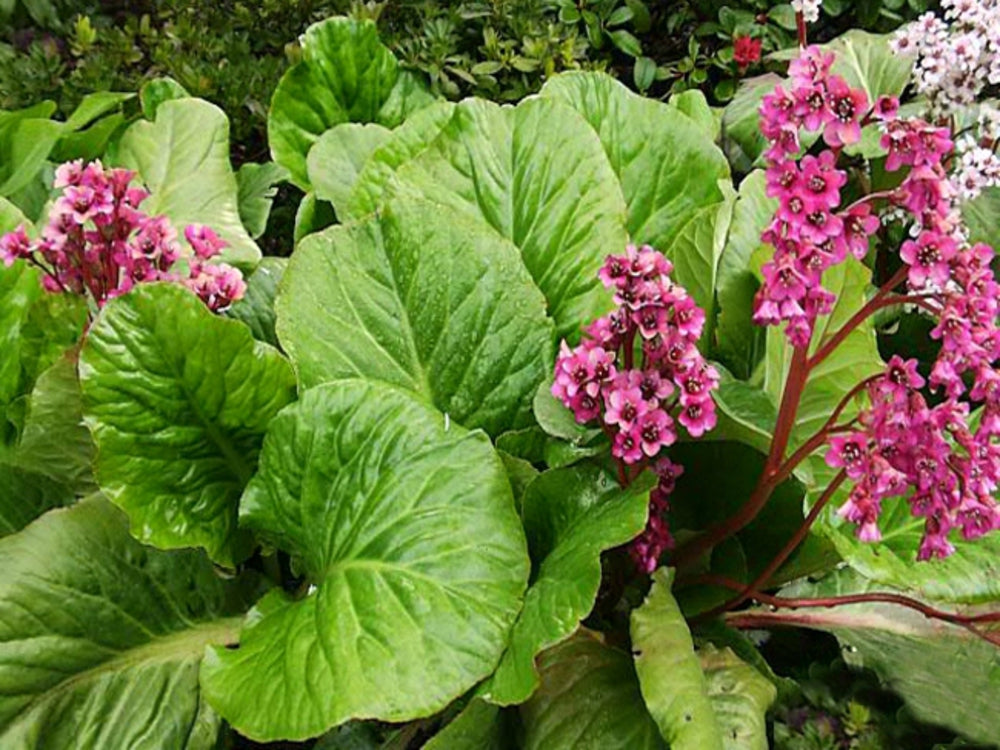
point(673, 684)
point(438, 304)
point(25, 495)
point(867, 62)
point(405, 142)
point(101, 638)
point(338, 157)
point(346, 75)
point(946, 674)
point(571, 516)
point(980, 217)
point(27, 137)
point(740, 698)
point(55, 442)
point(971, 574)
point(178, 400)
point(741, 136)
point(406, 527)
point(551, 191)
point(183, 158)
point(740, 343)
point(670, 171)
point(589, 699)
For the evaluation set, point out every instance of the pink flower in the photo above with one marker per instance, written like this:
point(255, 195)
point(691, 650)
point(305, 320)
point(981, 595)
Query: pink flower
point(859, 225)
point(205, 243)
point(928, 258)
point(655, 430)
point(848, 106)
point(624, 403)
point(698, 417)
point(886, 107)
point(627, 445)
point(849, 452)
point(14, 246)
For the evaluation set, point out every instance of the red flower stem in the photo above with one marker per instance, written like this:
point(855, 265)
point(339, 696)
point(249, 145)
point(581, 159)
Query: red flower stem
point(772, 567)
point(876, 303)
point(623, 480)
point(866, 198)
point(774, 470)
point(745, 620)
point(874, 597)
point(800, 25)
point(630, 348)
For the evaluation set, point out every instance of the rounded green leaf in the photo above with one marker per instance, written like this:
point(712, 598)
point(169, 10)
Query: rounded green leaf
point(406, 527)
point(571, 516)
point(436, 304)
point(36, 329)
point(549, 190)
point(178, 400)
point(589, 699)
point(480, 726)
point(346, 75)
point(183, 158)
point(337, 158)
point(669, 168)
point(673, 684)
point(101, 638)
point(405, 142)
point(867, 62)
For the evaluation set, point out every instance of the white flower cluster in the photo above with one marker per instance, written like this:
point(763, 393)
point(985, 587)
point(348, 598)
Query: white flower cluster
point(808, 8)
point(977, 165)
point(955, 60)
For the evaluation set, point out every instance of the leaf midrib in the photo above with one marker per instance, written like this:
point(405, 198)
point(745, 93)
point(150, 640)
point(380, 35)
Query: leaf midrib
point(173, 647)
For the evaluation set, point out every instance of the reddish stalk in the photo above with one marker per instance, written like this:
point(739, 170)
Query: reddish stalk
point(746, 620)
point(770, 478)
point(800, 25)
point(875, 303)
point(800, 534)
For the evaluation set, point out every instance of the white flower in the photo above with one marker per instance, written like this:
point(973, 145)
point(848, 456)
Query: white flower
point(808, 8)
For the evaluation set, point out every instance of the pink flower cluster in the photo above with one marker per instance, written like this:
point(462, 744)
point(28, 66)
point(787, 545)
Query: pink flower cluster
point(902, 443)
point(637, 368)
point(899, 444)
point(599, 379)
point(647, 549)
point(808, 233)
point(99, 244)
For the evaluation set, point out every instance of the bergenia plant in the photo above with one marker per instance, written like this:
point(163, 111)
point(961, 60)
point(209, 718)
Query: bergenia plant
point(98, 243)
point(557, 417)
